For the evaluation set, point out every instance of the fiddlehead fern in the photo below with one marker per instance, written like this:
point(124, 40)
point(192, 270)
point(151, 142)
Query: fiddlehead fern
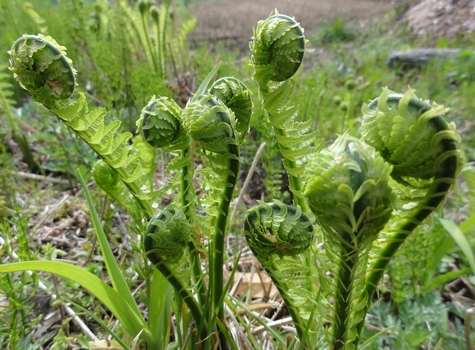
point(278, 230)
point(209, 122)
point(166, 238)
point(414, 137)
point(237, 97)
point(160, 123)
point(167, 235)
point(161, 126)
point(278, 47)
point(42, 68)
point(348, 191)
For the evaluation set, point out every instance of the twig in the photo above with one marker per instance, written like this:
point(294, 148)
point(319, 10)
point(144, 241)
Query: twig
point(41, 178)
point(277, 323)
point(468, 326)
point(248, 180)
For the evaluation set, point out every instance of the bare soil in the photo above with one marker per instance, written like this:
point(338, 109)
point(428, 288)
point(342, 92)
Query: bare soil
point(232, 21)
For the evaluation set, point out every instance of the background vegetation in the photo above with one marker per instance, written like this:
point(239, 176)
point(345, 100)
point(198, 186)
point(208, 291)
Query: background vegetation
point(429, 290)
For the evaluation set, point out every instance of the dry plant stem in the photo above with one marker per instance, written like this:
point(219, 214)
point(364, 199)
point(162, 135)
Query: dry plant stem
point(277, 323)
point(41, 178)
point(467, 326)
point(248, 180)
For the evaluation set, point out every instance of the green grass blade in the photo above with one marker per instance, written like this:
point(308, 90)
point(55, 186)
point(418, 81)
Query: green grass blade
point(204, 85)
point(118, 281)
point(373, 338)
point(440, 280)
point(109, 297)
point(159, 308)
point(460, 239)
point(101, 323)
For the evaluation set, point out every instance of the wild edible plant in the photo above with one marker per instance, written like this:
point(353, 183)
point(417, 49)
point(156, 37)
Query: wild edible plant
point(361, 197)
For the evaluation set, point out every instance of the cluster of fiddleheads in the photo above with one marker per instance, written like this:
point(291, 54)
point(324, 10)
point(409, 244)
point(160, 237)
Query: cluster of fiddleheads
point(351, 193)
point(217, 119)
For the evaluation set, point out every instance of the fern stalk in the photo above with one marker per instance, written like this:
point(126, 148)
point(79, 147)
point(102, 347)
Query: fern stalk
point(221, 229)
point(440, 163)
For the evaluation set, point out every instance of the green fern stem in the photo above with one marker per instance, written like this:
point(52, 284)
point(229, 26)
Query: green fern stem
point(187, 202)
point(159, 16)
point(220, 231)
point(283, 287)
point(213, 125)
point(295, 182)
point(343, 300)
point(441, 164)
point(184, 293)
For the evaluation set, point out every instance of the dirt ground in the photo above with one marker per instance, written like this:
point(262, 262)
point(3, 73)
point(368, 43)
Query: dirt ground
point(232, 21)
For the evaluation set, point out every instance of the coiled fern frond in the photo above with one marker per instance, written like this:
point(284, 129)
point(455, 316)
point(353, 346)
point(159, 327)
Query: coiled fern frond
point(278, 48)
point(167, 236)
point(279, 229)
point(422, 147)
point(42, 68)
point(160, 124)
point(237, 97)
point(348, 191)
point(278, 234)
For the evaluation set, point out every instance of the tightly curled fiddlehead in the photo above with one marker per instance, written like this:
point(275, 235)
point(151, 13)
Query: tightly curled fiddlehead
point(348, 191)
point(41, 66)
point(211, 123)
point(160, 123)
point(237, 97)
point(278, 47)
point(276, 229)
point(167, 235)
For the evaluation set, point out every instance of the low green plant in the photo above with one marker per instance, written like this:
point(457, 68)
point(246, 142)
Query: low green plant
point(362, 197)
